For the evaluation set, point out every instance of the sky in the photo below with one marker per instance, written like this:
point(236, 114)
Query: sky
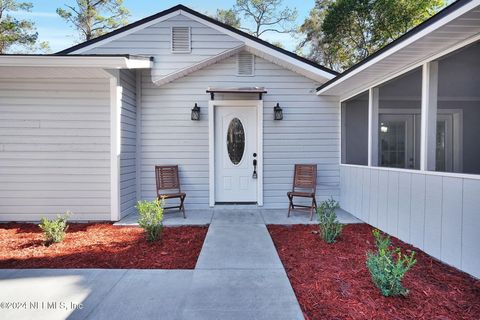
point(52, 28)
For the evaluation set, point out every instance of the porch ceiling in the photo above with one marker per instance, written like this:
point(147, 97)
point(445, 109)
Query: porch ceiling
point(459, 23)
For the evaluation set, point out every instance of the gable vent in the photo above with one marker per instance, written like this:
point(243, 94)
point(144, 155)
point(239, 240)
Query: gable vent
point(181, 39)
point(245, 64)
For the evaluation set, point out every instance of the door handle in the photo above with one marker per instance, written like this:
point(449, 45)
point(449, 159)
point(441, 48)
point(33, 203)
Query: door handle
point(254, 175)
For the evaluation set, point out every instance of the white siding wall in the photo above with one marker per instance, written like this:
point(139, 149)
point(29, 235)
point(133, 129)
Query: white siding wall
point(437, 213)
point(309, 132)
point(54, 148)
point(155, 41)
point(128, 129)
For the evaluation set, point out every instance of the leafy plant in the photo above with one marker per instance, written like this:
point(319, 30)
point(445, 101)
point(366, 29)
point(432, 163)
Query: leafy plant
point(151, 217)
point(54, 230)
point(388, 266)
point(330, 228)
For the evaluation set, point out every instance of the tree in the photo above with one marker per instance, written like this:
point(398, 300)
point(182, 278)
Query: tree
point(228, 16)
point(14, 32)
point(266, 16)
point(314, 39)
point(347, 31)
point(92, 18)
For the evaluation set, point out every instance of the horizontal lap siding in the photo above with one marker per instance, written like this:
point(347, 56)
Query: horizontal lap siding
point(309, 132)
point(54, 148)
point(128, 129)
point(155, 41)
point(435, 213)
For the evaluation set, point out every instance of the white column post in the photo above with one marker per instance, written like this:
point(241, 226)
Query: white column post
point(115, 144)
point(429, 115)
point(138, 151)
point(373, 98)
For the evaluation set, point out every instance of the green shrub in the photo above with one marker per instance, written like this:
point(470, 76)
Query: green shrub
point(330, 228)
point(151, 217)
point(54, 230)
point(388, 265)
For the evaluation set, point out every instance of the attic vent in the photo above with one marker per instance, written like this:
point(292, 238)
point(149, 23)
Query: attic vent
point(181, 39)
point(245, 64)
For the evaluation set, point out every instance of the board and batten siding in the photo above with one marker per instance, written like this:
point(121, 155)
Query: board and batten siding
point(309, 132)
point(128, 131)
point(54, 148)
point(155, 41)
point(439, 214)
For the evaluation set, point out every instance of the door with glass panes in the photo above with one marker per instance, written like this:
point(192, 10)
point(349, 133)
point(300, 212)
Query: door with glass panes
point(399, 141)
point(235, 154)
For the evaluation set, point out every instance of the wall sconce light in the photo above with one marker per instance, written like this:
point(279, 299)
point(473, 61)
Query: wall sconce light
point(277, 112)
point(196, 113)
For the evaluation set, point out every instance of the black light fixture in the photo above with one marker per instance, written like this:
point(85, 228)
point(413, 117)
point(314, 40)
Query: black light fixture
point(196, 113)
point(277, 112)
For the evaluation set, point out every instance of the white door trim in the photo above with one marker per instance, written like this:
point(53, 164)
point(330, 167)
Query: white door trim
point(211, 143)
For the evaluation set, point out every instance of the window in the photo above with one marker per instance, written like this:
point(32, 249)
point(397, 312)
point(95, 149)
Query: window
point(399, 121)
point(245, 64)
point(458, 112)
point(355, 130)
point(235, 141)
point(181, 42)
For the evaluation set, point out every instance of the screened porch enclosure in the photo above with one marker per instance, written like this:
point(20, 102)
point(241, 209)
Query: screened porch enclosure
point(411, 157)
point(450, 128)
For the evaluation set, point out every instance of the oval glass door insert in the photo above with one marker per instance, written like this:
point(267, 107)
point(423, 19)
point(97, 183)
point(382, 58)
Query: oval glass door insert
point(235, 141)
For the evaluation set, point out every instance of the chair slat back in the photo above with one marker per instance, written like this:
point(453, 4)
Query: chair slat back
point(167, 178)
point(305, 177)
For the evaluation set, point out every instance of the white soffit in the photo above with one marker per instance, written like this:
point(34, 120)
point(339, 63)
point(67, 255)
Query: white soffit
point(449, 32)
point(109, 62)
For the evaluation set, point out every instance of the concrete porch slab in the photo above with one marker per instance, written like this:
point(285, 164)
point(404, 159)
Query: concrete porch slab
point(238, 216)
point(199, 217)
point(240, 246)
point(279, 216)
point(241, 294)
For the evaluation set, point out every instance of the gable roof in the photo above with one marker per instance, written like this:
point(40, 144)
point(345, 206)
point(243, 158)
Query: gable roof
point(328, 73)
point(410, 36)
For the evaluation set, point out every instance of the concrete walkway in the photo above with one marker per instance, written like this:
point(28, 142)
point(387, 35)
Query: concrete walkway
point(238, 276)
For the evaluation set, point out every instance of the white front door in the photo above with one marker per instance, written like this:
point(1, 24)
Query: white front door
point(235, 153)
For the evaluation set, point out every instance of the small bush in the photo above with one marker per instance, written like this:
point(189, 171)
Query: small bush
point(330, 228)
point(151, 217)
point(54, 230)
point(388, 266)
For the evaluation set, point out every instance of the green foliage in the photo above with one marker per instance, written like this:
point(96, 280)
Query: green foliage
point(151, 217)
point(15, 32)
point(347, 31)
point(388, 266)
point(330, 228)
point(54, 230)
point(92, 18)
point(228, 16)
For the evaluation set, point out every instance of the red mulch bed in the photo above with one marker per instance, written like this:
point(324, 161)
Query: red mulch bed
point(332, 281)
point(100, 245)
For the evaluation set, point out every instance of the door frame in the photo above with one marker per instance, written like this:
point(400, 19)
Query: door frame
point(258, 104)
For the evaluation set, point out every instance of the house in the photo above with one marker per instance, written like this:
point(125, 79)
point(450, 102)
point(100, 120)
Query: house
point(394, 137)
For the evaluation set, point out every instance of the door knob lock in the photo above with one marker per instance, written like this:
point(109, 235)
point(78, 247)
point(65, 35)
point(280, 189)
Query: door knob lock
point(254, 175)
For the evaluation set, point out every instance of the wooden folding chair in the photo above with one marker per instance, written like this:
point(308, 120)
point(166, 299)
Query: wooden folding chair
point(168, 185)
point(304, 186)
